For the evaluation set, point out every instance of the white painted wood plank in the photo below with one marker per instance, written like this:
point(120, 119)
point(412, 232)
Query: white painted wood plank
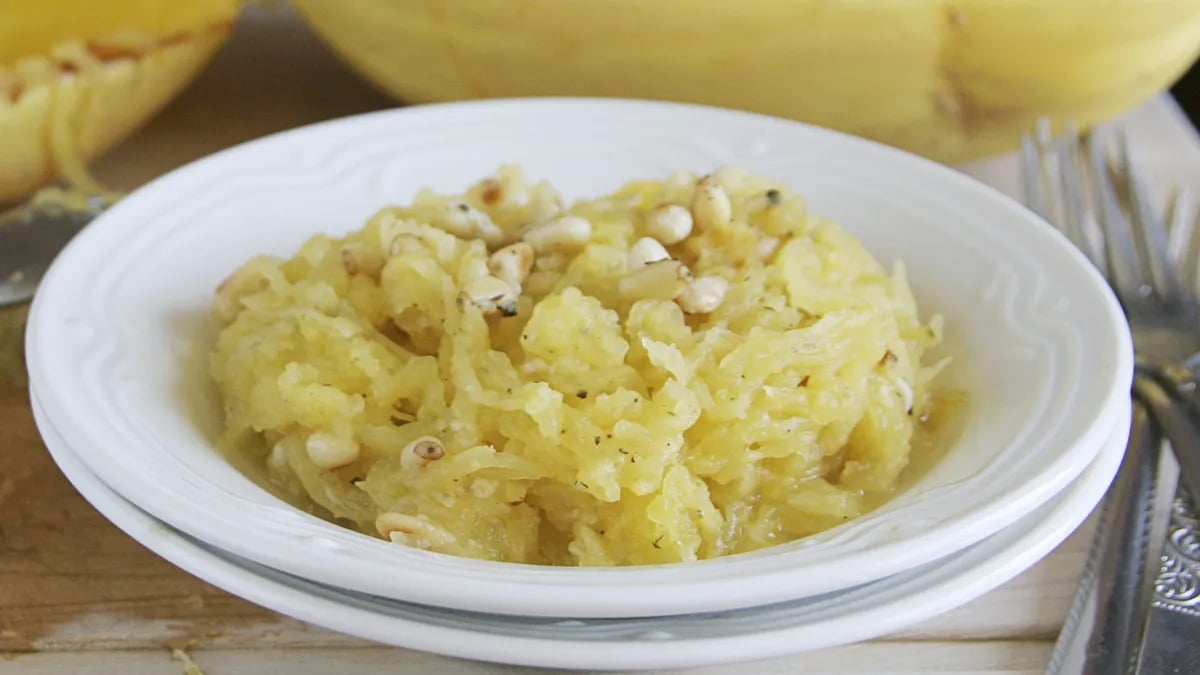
point(1031, 606)
point(886, 658)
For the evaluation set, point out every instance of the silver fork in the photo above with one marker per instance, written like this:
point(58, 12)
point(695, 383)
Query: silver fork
point(1151, 269)
point(1101, 205)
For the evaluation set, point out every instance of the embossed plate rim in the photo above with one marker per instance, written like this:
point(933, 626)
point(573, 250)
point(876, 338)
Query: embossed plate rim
point(80, 389)
point(998, 558)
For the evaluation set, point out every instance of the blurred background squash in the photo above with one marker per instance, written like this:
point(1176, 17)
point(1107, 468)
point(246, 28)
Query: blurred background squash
point(950, 79)
point(77, 76)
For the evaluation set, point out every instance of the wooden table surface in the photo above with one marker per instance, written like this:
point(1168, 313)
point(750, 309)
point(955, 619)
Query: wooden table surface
point(78, 596)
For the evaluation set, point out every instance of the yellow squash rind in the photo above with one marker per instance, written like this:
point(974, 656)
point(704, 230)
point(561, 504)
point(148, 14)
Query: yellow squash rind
point(952, 80)
point(77, 77)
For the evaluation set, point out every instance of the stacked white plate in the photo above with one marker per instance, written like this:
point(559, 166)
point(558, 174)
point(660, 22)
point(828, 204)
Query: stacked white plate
point(119, 334)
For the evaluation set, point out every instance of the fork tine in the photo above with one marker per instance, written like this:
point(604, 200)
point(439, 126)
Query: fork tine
point(1074, 212)
point(1149, 230)
point(1183, 244)
point(1032, 179)
point(1125, 270)
point(1050, 169)
point(1192, 269)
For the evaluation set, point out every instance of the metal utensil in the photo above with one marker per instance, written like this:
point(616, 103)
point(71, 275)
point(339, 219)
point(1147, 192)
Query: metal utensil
point(1163, 311)
point(1067, 181)
point(32, 234)
point(1169, 641)
point(1103, 626)
point(1153, 268)
point(1169, 644)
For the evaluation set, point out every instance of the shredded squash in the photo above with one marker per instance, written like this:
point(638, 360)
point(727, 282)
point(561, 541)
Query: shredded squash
point(497, 376)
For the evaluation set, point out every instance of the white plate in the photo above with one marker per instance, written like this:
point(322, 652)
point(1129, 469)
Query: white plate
point(118, 333)
point(841, 617)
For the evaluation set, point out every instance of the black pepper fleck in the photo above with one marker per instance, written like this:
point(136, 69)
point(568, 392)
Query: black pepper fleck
point(774, 197)
point(581, 393)
point(656, 541)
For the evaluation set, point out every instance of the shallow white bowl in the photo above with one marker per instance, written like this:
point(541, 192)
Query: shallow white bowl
point(119, 330)
point(860, 613)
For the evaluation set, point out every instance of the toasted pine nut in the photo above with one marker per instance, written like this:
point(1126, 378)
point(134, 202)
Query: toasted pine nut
point(512, 263)
point(669, 223)
point(465, 222)
point(427, 447)
point(567, 232)
point(491, 295)
point(703, 295)
point(645, 251)
point(545, 204)
point(402, 528)
point(493, 191)
point(405, 243)
point(766, 247)
point(662, 280)
point(278, 457)
point(359, 259)
point(420, 452)
point(710, 204)
point(329, 451)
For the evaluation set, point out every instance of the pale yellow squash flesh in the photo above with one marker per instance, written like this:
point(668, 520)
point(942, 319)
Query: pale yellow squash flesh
point(604, 418)
point(78, 77)
point(951, 80)
point(31, 27)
